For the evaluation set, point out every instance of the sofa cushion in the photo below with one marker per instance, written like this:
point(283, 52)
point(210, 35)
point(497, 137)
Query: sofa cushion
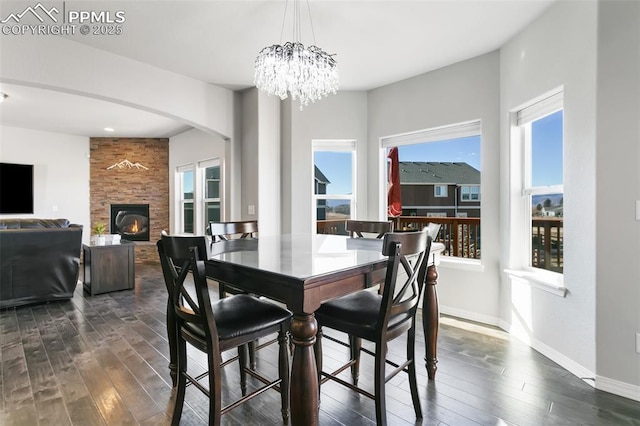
point(33, 223)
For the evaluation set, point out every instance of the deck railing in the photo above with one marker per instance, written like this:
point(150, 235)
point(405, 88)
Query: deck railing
point(461, 236)
point(547, 243)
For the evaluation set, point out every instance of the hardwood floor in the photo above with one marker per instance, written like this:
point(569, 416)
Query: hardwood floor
point(103, 360)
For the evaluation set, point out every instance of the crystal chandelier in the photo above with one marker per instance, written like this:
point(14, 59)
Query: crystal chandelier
point(306, 73)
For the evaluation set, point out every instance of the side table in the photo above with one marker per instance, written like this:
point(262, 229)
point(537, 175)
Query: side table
point(109, 267)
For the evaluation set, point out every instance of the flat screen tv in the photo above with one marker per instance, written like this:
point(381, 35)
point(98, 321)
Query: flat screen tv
point(16, 188)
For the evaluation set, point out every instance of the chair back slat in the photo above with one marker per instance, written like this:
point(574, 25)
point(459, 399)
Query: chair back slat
point(408, 256)
point(222, 231)
point(180, 258)
point(357, 228)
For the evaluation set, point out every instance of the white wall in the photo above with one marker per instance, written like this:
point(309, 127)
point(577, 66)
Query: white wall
point(617, 167)
point(464, 91)
point(557, 49)
point(189, 148)
point(261, 160)
point(339, 116)
point(61, 173)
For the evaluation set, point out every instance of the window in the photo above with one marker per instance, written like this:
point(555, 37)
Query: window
point(541, 135)
point(469, 193)
point(440, 191)
point(333, 184)
point(440, 180)
point(211, 201)
point(200, 196)
point(186, 195)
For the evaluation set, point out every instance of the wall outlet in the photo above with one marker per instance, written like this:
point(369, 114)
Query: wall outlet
point(637, 210)
point(638, 343)
point(252, 209)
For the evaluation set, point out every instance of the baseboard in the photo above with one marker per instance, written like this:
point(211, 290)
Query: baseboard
point(565, 362)
point(604, 384)
point(619, 388)
point(468, 315)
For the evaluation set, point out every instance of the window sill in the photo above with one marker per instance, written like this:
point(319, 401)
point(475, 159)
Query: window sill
point(461, 263)
point(550, 282)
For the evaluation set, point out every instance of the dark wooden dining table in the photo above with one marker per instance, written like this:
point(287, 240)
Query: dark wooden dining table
point(302, 271)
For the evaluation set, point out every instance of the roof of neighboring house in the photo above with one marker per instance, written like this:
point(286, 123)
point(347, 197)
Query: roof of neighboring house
point(320, 177)
point(438, 173)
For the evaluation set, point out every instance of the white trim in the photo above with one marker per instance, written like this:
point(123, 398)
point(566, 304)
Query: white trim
point(565, 362)
point(333, 144)
point(450, 131)
point(618, 388)
point(461, 263)
point(544, 280)
point(542, 106)
point(469, 315)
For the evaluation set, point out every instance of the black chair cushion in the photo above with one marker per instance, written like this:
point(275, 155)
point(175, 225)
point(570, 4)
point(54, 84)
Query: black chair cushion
point(355, 314)
point(243, 315)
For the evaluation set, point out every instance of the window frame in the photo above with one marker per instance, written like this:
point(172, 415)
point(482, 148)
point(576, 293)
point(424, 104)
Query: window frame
point(181, 201)
point(470, 199)
point(522, 134)
point(334, 145)
point(203, 200)
point(443, 193)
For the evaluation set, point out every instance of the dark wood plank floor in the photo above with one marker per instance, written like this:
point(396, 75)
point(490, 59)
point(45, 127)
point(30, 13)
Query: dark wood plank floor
point(103, 360)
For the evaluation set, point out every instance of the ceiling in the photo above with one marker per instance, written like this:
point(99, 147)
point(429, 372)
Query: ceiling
point(375, 43)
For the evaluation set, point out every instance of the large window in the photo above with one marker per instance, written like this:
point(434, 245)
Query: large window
point(440, 180)
point(186, 196)
point(541, 131)
point(334, 184)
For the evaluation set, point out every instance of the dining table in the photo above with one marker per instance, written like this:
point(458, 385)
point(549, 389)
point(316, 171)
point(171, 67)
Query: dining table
point(302, 271)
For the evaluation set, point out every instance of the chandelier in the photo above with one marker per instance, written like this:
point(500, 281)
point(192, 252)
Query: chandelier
point(305, 73)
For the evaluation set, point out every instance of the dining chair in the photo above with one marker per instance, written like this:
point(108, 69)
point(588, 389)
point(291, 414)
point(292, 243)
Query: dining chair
point(358, 228)
point(380, 318)
point(216, 327)
point(224, 231)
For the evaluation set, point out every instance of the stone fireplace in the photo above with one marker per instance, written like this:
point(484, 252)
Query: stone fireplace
point(131, 221)
point(130, 187)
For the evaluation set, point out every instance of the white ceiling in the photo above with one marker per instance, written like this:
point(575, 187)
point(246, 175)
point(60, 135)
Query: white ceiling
point(375, 42)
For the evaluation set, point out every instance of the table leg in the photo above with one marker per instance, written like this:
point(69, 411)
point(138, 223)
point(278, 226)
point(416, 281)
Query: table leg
point(304, 376)
point(431, 321)
point(173, 349)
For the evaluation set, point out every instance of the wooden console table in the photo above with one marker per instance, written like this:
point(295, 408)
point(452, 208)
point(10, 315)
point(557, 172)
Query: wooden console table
point(108, 267)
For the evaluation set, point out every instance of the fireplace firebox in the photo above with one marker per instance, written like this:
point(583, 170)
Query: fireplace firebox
point(131, 221)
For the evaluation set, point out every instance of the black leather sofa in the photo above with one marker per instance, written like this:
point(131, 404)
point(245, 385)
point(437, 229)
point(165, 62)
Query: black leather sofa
point(39, 260)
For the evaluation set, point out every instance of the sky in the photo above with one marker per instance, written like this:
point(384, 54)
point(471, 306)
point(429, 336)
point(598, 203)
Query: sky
point(546, 150)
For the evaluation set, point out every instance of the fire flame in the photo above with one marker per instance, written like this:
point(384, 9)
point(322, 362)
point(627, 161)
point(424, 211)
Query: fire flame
point(134, 227)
